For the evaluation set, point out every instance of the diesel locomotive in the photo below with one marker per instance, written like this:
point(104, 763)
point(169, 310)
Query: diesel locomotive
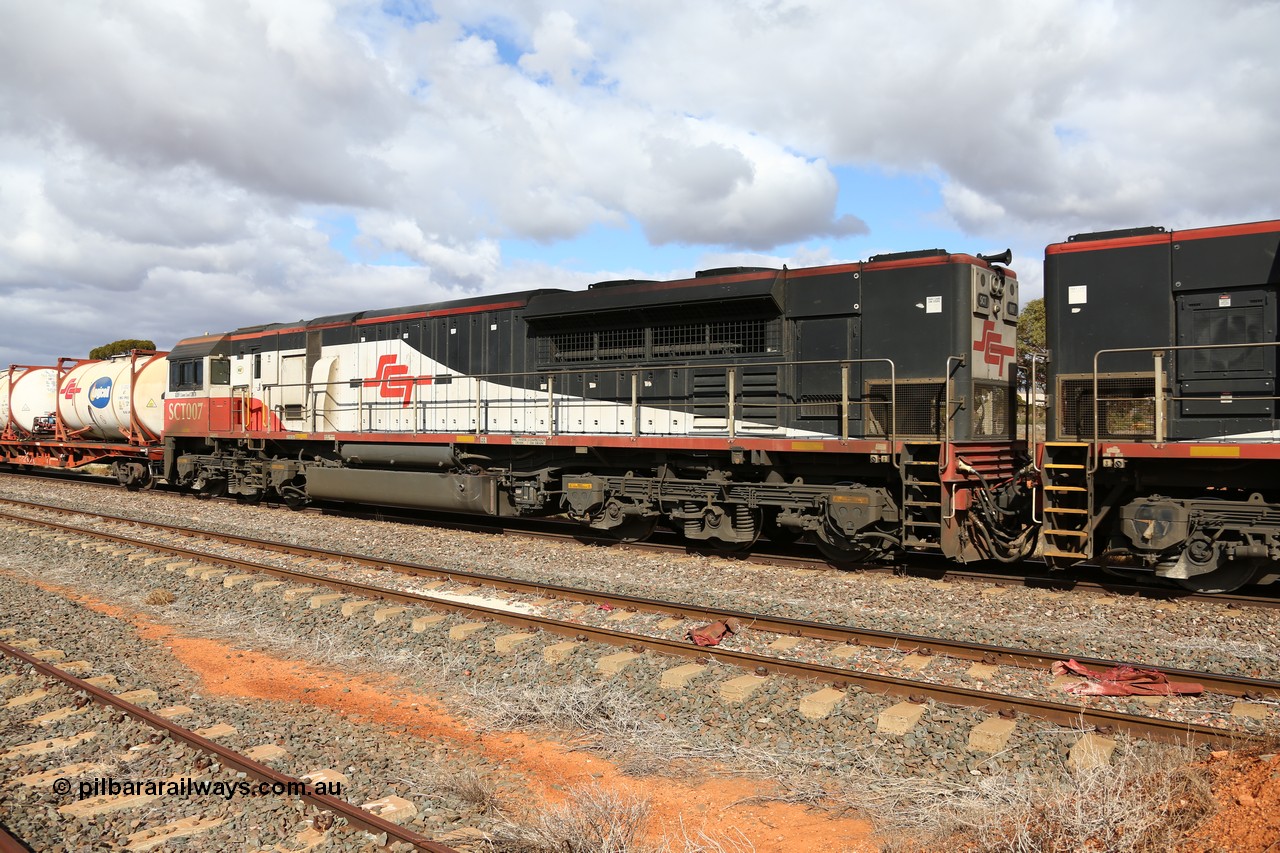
point(726, 405)
point(1162, 456)
point(869, 408)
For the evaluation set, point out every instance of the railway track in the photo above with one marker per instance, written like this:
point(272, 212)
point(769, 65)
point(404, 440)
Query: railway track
point(18, 761)
point(842, 637)
point(1086, 578)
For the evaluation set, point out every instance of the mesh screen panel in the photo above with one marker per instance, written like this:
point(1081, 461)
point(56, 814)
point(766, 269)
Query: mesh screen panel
point(991, 411)
point(618, 344)
point(1126, 407)
point(567, 346)
point(920, 407)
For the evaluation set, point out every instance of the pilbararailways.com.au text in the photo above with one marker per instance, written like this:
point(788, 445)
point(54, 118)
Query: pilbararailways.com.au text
point(187, 788)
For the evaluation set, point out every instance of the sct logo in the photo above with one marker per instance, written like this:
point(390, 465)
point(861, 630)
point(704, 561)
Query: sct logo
point(393, 380)
point(70, 390)
point(991, 345)
point(100, 393)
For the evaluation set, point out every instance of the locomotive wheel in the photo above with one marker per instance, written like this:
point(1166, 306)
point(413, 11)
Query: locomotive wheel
point(1129, 575)
point(294, 493)
point(635, 529)
point(212, 489)
point(1228, 578)
point(841, 551)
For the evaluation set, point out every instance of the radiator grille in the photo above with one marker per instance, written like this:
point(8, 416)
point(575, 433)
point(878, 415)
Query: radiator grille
point(820, 406)
point(1243, 324)
point(668, 341)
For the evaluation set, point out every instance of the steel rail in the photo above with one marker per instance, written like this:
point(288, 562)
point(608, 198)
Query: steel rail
point(1030, 576)
point(1230, 685)
point(354, 815)
point(1057, 712)
point(9, 843)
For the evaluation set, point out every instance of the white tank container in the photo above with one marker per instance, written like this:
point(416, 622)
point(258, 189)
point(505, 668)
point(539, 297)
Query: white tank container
point(31, 393)
point(98, 397)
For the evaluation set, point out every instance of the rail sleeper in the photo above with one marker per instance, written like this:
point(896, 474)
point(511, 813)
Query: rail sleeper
point(821, 703)
point(678, 677)
point(991, 735)
point(739, 689)
point(899, 719)
point(1090, 752)
point(149, 839)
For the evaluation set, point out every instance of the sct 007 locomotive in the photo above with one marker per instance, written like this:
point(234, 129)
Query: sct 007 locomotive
point(868, 408)
point(723, 405)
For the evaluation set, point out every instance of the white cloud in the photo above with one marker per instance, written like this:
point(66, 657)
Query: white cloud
point(557, 52)
point(161, 162)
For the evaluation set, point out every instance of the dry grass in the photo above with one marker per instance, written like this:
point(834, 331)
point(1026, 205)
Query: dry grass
point(469, 787)
point(1142, 803)
point(595, 819)
point(599, 708)
point(159, 596)
point(590, 820)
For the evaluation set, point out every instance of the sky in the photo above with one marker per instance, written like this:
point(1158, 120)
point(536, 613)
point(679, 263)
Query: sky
point(175, 167)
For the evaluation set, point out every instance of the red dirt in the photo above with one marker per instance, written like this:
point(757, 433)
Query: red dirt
point(711, 806)
point(1247, 786)
point(1248, 819)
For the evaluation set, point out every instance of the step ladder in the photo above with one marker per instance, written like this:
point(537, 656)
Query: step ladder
point(1068, 502)
point(921, 495)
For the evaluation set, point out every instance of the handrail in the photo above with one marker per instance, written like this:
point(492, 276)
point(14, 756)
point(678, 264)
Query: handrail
point(1033, 420)
point(945, 459)
point(1158, 373)
point(366, 405)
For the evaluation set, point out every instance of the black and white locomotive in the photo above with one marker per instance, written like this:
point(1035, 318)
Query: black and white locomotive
point(732, 403)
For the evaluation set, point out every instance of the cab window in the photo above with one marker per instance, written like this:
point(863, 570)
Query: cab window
point(220, 371)
point(187, 375)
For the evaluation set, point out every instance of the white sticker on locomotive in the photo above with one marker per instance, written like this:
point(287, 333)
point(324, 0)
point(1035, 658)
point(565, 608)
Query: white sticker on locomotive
point(933, 305)
point(1224, 301)
point(1078, 294)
